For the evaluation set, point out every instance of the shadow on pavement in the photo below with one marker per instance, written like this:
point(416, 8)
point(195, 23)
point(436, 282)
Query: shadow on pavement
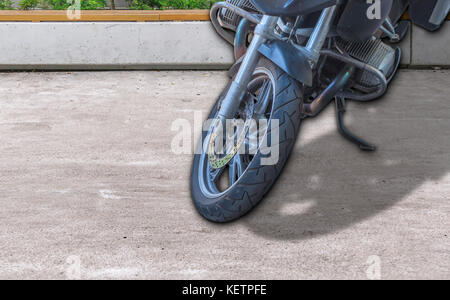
point(329, 185)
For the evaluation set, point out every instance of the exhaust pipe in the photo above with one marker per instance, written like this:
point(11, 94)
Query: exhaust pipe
point(313, 108)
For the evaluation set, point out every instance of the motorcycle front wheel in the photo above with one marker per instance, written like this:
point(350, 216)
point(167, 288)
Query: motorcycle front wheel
point(223, 192)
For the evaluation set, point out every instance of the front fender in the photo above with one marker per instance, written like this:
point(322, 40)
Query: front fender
point(289, 59)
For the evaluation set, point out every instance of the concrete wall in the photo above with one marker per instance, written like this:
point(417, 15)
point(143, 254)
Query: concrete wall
point(105, 45)
point(155, 45)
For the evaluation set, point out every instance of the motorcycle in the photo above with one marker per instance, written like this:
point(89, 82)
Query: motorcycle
point(293, 58)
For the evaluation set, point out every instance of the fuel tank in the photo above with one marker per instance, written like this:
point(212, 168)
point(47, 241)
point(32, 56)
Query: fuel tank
point(291, 7)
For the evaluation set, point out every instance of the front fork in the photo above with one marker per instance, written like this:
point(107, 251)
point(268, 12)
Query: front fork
point(238, 87)
point(263, 32)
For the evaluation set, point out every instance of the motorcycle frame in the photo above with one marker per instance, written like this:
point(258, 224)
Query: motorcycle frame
point(264, 32)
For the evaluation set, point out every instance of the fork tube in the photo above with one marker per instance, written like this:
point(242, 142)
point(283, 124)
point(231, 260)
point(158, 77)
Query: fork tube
point(320, 32)
point(238, 87)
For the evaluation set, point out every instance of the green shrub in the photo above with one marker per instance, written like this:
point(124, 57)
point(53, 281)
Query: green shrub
point(28, 4)
point(99, 4)
point(56, 4)
point(63, 4)
point(6, 4)
point(174, 4)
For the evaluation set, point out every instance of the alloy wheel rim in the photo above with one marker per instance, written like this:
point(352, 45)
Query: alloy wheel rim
point(215, 182)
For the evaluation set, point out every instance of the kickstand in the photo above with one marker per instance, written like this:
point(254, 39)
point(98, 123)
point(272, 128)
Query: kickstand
point(340, 110)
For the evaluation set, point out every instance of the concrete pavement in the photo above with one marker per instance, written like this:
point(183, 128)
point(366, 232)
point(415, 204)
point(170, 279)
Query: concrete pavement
point(89, 186)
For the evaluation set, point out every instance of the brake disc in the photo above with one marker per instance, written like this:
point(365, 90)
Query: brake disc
point(218, 161)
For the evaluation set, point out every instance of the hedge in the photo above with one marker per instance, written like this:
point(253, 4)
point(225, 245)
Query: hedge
point(102, 4)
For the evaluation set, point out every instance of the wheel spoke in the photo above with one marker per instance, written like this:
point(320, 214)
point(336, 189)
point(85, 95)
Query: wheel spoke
point(236, 169)
point(214, 174)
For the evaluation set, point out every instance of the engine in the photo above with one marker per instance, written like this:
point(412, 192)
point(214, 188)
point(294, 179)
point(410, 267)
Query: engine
point(229, 19)
point(373, 52)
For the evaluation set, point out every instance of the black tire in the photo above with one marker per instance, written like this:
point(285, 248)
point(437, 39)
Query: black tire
point(257, 179)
